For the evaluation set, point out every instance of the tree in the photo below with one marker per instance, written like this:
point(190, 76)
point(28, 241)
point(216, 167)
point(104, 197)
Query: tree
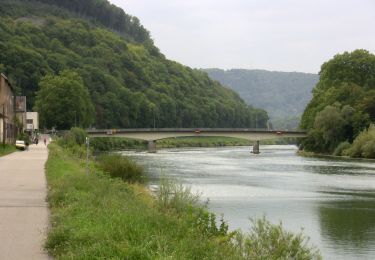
point(348, 82)
point(63, 101)
point(331, 123)
point(123, 77)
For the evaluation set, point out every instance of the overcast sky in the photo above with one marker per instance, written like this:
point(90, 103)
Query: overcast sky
point(282, 35)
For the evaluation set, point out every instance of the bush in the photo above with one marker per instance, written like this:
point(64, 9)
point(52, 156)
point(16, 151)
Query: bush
point(368, 150)
point(116, 143)
point(173, 195)
point(268, 241)
point(76, 136)
point(118, 166)
point(364, 144)
point(342, 149)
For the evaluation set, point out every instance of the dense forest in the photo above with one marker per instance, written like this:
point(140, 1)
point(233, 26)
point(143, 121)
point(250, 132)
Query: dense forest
point(44, 48)
point(284, 95)
point(339, 116)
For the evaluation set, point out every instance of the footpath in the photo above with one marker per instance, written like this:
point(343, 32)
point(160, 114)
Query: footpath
point(23, 207)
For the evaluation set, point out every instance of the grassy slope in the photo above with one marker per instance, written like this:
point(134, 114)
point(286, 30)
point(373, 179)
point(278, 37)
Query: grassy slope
point(7, 149)
point(98, 217)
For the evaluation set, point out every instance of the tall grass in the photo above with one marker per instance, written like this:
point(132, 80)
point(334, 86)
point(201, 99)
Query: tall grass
point(268, 241)
point(173, 195)
point(119, 166)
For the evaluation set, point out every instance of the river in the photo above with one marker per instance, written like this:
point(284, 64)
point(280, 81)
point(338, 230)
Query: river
point(332, 200)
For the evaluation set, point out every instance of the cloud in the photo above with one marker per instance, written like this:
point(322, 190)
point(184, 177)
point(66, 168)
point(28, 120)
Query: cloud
point(288, 35)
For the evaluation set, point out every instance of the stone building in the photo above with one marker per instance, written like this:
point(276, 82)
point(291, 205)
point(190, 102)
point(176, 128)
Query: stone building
point(7, 125)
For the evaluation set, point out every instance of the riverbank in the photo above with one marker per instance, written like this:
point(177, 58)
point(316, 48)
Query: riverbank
point(330, 156)
point(95, 216)
point(101, 144)
point(7, 149)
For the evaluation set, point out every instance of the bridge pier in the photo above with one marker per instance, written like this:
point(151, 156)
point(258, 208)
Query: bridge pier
point(256, 149)
point(151, 146)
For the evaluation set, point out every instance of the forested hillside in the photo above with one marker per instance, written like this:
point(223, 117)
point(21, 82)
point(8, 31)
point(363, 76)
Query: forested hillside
point(98, 47)
point(284, 95)
point(343, 107)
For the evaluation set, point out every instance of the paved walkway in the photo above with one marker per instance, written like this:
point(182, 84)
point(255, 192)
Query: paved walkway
point(23, 207)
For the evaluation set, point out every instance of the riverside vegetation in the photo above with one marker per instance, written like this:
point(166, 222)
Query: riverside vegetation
point(101, 144)
point(118, 143)
point(99, 215)
point(340, 117)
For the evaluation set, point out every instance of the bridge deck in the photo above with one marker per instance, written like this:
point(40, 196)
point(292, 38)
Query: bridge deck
point(152, 134)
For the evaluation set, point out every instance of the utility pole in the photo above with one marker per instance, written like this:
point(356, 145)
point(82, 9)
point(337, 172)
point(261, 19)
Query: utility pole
point(87, 155)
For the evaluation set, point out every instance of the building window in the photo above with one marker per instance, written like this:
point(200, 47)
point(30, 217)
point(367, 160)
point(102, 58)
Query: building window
point(29, 121)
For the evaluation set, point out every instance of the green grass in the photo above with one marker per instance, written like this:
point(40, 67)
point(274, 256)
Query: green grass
point(201, 142)
point(94, 216)
point(7, 149)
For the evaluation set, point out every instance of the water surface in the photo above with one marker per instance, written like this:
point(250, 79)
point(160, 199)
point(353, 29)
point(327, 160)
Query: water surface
point(332, 200)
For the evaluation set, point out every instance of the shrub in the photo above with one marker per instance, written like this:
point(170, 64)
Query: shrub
point(364, 144)
point(268, 241)
point(342, 149)
point(75, 136)
point(368, 149)
point(116, 143)
point(173, 195)
point(118, 166)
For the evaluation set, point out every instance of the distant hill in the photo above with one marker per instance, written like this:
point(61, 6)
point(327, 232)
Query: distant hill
point(284, 95)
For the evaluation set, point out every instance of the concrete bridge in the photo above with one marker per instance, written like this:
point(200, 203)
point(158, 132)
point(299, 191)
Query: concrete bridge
point(153, 134)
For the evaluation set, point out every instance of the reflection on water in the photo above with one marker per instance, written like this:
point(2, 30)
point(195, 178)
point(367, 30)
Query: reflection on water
point(349, 222)
point(332, 200)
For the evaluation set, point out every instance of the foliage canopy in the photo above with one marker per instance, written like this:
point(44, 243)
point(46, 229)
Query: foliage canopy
point(63, 101)
point(343, 101)
point(130, 83)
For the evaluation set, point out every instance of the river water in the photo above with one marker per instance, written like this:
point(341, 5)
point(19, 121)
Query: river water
point(332, 200)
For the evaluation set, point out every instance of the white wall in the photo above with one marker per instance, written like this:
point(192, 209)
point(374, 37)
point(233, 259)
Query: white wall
point(35, 117)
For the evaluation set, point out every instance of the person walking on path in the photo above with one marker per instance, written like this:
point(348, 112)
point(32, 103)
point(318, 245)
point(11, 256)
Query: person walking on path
point(23, 208)
point(45, 141)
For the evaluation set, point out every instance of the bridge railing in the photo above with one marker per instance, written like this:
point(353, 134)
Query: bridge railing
point(189, 130)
